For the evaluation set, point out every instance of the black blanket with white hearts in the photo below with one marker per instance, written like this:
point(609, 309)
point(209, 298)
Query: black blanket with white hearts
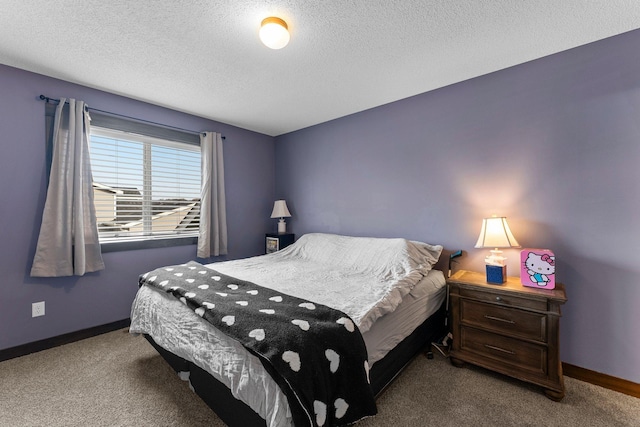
point(315, 353)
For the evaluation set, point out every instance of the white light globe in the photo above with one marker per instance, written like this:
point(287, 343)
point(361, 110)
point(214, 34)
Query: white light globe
point(274, 33)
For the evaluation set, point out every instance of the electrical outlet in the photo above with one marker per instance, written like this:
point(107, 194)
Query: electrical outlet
point(37, 309)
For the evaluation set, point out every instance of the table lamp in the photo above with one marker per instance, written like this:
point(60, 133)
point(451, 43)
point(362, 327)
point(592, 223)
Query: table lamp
point(281, 211)
point(495, 233)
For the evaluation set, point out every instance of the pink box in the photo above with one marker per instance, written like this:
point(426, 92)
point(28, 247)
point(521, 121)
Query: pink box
point(538, 268)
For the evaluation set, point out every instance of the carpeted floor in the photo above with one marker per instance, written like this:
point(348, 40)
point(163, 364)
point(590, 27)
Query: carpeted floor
point(117, 379)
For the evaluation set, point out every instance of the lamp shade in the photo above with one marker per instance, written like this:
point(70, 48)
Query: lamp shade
point(495, 233)
point(274, 33)
point(280, 209)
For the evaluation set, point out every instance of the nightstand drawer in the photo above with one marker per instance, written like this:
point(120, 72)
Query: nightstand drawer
point(519, 354)
point(504, 299)
point(517, 323)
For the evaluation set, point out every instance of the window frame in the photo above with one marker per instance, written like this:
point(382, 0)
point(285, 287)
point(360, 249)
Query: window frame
point(167, 136)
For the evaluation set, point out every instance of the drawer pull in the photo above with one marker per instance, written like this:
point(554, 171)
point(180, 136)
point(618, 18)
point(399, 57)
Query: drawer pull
point(498, 298)
point(499, 349)
point(500, 320)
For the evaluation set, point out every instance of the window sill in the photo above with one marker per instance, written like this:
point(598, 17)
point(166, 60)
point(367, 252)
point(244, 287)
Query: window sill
point(132, 245)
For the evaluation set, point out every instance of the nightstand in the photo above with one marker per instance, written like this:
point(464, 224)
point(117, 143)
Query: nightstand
point(508, 328)
point(276, 241)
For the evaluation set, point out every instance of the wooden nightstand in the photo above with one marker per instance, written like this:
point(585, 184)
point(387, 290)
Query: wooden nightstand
point(508, 328)
point(276, 241)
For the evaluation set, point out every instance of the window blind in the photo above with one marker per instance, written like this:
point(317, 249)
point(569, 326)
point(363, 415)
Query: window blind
point(145, 187)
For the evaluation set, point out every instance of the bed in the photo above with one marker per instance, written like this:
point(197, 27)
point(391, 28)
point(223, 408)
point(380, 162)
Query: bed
point(393, 290)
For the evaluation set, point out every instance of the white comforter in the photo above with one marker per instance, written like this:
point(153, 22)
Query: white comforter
point(363, 277)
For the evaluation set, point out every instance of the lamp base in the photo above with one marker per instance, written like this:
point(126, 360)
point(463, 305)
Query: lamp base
point(496, 274)
point(282, 226)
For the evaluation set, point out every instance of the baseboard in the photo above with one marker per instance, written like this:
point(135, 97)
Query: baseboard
point(23, 350)
point(602, 380)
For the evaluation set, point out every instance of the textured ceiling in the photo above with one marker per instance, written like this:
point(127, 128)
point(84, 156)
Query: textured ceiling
point(204, 57)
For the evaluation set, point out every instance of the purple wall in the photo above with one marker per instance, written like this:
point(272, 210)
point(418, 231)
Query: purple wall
point(78, 303)
point(553, 144)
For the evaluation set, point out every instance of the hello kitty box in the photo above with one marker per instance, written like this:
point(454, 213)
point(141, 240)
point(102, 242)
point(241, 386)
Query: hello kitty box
point(538, 268)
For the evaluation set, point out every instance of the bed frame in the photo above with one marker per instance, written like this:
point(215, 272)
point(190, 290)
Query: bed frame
point(234, 412)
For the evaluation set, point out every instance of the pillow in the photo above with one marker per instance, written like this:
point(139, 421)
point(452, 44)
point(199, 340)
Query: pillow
point(383, 257)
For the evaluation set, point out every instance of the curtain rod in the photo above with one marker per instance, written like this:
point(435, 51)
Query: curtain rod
point(47, 99)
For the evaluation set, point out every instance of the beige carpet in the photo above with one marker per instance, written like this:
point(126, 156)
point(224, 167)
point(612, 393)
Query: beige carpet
point(116, 379)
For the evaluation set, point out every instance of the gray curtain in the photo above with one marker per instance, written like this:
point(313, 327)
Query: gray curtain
point(68, 243)
point(212, 239)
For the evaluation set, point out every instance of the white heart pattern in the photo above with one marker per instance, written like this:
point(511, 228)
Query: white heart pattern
point(307, 305)
point(178, 274)
point(190, 295)
point(320, 409)
point(200, 311)
point(257, 334)
point(209, 305)
point(348, 324)
point(184, 300)
point(334, 360)
point(152, 279)
point(276, 299)
point(169, 269)
point(341, 407)
point(216, 278)
point(144, 276)
point(222, 294)
point(242, 303)
point(229, 320)
point(267, 311)
point(232, 287)
point(202, 272)
point(203, 287)
point(302, 324)
point(253, 292)
point(293, 359)
point(164, 283)
point(190, 280)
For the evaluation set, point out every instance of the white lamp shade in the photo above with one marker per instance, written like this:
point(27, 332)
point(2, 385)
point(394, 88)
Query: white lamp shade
point(280, 209)
point(274, 33)
point(495, 233)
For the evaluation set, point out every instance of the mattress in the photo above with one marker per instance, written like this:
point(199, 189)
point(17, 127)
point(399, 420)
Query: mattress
point(423, 300)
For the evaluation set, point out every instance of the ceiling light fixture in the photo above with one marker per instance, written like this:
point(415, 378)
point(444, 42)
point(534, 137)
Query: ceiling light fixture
point(274, 33)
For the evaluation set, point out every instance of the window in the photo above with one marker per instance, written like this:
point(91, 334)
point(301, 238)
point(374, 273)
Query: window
point(145, 187)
